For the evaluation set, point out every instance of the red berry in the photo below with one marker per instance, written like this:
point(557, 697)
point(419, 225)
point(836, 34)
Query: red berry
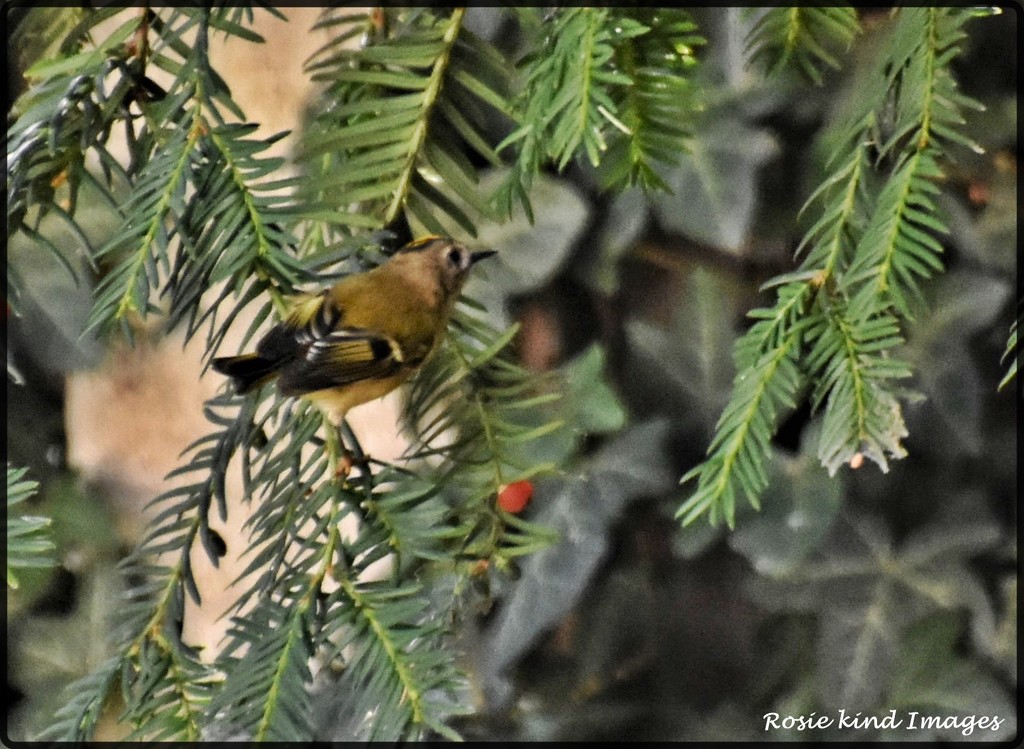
point(514, 497)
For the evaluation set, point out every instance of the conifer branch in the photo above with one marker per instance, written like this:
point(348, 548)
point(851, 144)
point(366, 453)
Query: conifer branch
point(611, 85)
point(867, 252)
point(802, 38)
point(742, 438)
point(29, 544)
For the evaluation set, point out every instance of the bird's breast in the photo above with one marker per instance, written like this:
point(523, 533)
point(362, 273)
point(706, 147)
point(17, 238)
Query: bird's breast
point(338, 401)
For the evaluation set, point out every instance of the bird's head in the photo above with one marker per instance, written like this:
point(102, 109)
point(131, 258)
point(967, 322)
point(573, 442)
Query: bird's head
point(442, 258)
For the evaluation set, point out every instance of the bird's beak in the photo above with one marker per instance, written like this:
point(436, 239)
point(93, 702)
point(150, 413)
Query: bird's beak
point(475, 257)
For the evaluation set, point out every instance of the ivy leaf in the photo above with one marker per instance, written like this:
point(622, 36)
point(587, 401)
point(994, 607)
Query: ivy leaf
point(588, 407)
point(935, 681)
point(41, 277)
point(619, 228)
point(989, 238)
point(798, 509)
point(693, 357)
point(964, 303)
point(867, 591)
point(996, 636)
point(53, 651)
point(591, 405)
point(713, 196)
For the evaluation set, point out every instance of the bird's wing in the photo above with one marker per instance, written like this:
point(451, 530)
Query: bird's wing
point(341, 357)
point(318, 348)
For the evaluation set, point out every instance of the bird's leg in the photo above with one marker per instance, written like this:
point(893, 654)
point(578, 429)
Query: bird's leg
point(345, 464)
point(339, 436)
point(353, 450)
point(336, 452)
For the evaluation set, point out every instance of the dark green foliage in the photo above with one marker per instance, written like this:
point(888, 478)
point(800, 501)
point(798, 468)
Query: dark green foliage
point(422, 112)
point(862, 577)
point(610, 84)
point(76, 720)
point(28, 540)
point(476, 392)
point(768, 384)
point(396, 115)
point(656, 109)
point(802, 38)
point(202, 209)
point(838, 316)
point(178, 140)
point(264, 694)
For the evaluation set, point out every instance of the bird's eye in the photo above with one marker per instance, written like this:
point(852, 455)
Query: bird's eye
point(455, 258)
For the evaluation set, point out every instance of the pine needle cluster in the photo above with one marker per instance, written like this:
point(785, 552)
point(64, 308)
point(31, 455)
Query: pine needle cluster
point(28, 538)
point(834, 331)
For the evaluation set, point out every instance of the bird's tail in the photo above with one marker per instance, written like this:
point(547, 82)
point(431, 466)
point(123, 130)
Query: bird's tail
point(247, 372)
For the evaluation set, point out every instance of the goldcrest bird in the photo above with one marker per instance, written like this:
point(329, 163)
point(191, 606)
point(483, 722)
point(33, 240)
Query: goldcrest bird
point(365, 336)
